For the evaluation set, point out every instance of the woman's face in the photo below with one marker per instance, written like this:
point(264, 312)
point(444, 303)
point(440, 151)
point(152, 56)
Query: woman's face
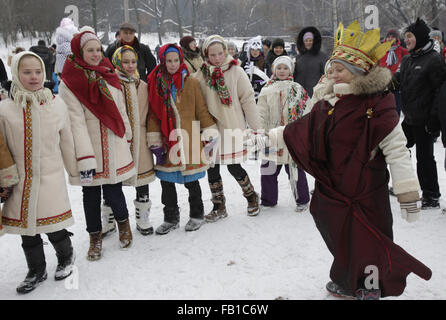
point(129, 62)
point(255, 53)
point(172, 62)
point(282, 72)
point(231, 51)
point(308, 43)
point(341, 74)
point(31, 73)
point(193, 45)
point(278, 51)
point(216, 54)
point(92, 53)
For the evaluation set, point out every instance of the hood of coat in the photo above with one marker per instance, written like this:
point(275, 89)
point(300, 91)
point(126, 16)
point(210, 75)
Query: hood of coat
point(377, 80)
point(317, 44)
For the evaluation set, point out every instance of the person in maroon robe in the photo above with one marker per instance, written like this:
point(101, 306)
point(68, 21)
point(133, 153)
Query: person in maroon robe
point(346, 143)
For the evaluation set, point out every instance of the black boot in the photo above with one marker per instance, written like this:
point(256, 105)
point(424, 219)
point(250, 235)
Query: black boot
point(35, 258)
point(65, 258)
point(171, 220)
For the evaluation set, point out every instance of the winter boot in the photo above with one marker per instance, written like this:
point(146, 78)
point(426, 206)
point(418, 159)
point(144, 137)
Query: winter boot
point(95, 250)
point(35, 258)
point(108, 220)
point(65, 258)
point(171, 220)
point(250, 195)
point(429, 203)
point(142, 212)
point(196, 217)
point(338, 291)
point(125, 234)
point(219, 202)
point(364, 294)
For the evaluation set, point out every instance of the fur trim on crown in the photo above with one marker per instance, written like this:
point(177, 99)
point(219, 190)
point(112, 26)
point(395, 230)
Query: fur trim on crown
point(375, 81)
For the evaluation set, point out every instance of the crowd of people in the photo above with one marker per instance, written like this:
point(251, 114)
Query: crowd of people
point(113, 118)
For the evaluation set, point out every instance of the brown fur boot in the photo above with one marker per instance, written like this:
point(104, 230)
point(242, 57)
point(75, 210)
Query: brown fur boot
point(125, 234)
point(95, 250)
point(219, 201)
point(250, 195)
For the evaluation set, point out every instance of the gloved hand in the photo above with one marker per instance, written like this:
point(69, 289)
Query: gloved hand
point(87, 176)
point(160, 154)
point(410, 211)
point(209, 145)
point(433, 127)
point(5, 193)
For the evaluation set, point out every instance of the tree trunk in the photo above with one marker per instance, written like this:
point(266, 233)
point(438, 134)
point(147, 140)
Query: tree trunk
point(94, 14)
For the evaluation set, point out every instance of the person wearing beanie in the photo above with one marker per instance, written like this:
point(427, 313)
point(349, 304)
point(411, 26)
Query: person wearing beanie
point(310, 61)
point(47, 56)
point(233, 50)
point(347, 142)
point(255, 64)
point(192, 54)
point(102, 135)
point(281, 102)
point(419, 78)
point(437, 36)
point(146, 60)
point(277, 50)
point(266, 46)
point(392, 60)
point(230, 100)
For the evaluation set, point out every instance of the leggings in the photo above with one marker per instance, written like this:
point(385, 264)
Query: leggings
point(235, 170)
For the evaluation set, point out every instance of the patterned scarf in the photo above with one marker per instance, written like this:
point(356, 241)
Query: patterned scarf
point(160, 84)
point(216, 81)
point(89, 85)
point(117, 63)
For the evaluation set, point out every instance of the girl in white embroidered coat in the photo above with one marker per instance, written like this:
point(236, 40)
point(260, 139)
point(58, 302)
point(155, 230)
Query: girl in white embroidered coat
point(281, 102)
point(102, 136)
point(135, 91)
point(36, 128)
point(230, 99)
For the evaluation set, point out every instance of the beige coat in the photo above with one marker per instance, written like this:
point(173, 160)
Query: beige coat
point(41, 143)
point(191, 117)
point(9, 175)
point(137, 112)
point(97, 147)
point(193, 62)
point(274, 104)
point(232, 121)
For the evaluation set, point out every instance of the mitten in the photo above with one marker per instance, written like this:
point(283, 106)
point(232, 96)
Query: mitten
point(87, 176)
point(410, 211)
point(160, 154)
point(209, 145)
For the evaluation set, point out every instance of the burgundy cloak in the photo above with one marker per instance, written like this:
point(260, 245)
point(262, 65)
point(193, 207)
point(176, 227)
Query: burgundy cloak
point(350, 204)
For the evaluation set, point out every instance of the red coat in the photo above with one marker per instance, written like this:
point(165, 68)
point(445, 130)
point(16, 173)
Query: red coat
point(400, 53)
point(350, 204)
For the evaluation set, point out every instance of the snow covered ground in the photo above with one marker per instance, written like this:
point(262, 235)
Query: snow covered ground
point(278, 254)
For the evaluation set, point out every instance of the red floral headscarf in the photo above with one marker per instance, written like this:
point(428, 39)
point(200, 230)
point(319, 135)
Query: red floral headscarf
point(89, 85)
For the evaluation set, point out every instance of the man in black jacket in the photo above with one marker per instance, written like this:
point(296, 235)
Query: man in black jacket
point(419, 78)
point(47, 56)
point(146, 60)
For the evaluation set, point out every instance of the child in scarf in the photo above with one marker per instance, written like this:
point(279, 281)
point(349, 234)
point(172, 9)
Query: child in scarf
point(36, 127)
point(282, 101)
point(125, 60)
point(177, 111)
point(102, 135)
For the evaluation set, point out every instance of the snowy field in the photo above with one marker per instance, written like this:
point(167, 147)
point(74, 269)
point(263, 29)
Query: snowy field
point(276, 255)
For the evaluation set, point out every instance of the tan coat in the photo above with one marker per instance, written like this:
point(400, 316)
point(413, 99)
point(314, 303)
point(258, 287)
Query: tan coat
point(41, 143)
point(193, 62)
point(191, 116)
point(9, 175)
point(137, 112)
point(232, 120)
point(97, 147)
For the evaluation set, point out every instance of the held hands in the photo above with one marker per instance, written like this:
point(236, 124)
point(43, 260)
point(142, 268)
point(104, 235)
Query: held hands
point(259, 141)
point(209, 145)
point(87, 176)
point(160, 154)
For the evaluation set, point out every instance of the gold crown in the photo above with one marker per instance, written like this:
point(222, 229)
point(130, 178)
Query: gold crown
point(358, 48)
